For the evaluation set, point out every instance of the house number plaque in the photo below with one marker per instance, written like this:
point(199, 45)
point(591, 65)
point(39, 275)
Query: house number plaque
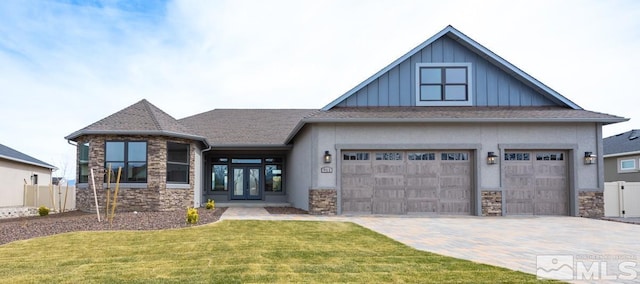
point(326, 170)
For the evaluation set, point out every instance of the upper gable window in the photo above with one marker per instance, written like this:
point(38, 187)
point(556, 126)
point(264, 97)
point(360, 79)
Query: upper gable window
point(443, 84)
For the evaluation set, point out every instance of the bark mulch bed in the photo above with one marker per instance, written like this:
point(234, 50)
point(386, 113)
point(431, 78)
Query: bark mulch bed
point(31, 227)
point(285, 210)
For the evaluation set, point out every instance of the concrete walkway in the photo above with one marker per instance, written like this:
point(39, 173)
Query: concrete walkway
point(511, 242)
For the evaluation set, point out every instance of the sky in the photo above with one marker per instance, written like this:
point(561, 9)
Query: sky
point(68, 63)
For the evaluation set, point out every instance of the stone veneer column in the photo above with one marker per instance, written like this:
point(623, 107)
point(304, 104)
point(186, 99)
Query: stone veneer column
point(591, 204)
point(491, 203)
point(323, 201)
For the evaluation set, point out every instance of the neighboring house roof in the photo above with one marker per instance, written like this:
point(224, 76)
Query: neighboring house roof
point(622, 144)
point(246, 127)
point(14, 155)
point(454, 114)
point(141, 118)
point(483, 52)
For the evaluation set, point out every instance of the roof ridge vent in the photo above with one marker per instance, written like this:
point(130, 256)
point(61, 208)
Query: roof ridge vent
point(634, 134)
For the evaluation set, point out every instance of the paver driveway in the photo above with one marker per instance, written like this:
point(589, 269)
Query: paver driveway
point(511, 242)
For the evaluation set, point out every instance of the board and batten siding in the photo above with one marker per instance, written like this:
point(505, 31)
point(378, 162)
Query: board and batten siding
point(491, 85)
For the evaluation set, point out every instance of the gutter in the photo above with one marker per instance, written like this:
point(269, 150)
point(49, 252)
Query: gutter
point(302, 122)
point(621, 154)
point(138, 132)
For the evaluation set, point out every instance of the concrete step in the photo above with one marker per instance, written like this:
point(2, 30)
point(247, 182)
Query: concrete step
point(248, 204)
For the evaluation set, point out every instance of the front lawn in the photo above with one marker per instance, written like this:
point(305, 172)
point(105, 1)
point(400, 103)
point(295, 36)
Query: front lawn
point(237, 251)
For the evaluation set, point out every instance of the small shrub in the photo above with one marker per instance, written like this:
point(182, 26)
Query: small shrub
point(192, 215)
point(43, 211)
point(211, 204)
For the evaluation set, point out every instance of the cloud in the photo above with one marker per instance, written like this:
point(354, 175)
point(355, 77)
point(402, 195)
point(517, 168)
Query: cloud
point(67, 64)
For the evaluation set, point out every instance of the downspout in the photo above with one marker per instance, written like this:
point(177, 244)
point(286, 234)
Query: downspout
point(203, 179)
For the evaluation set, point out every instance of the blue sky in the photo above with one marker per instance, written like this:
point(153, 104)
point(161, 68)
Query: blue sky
point(67, 64)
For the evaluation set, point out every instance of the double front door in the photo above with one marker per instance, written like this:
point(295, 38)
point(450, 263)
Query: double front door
point(245, 182)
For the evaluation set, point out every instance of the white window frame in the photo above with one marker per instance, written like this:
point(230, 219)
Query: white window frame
point(468, 102)
point(621, 161)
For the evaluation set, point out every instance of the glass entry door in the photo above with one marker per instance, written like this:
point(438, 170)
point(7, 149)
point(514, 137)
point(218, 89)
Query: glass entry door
point(246, 182)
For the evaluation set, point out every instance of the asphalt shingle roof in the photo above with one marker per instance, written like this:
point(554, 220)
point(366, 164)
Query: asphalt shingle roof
point(464, 114)
point(276, 127)
point(246, 127)
point(15, 155)
point(622, 143)
point(139, 118)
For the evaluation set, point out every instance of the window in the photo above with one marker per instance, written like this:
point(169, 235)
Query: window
point(627, 165)
point(178, 157)
point(273, 178)
point(549, 156)
point(454, 156)
point(421, 156)
point(516, 156)
point(219, 178)
point(83, 163)
point(355, 156)
point(391, 156)
point(445, 84)
point(131, 156)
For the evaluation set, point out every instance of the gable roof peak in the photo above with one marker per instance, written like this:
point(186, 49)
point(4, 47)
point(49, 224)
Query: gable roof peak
point(475, 47)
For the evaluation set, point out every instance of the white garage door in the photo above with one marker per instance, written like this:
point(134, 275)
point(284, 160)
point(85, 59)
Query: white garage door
point(406, 182)
point(535, 182)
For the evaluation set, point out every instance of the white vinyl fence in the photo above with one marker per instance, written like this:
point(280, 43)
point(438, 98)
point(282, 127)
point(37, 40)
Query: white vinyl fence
point(58, 198)
point(622, 199)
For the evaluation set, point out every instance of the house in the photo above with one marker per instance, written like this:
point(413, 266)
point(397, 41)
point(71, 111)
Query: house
point(448, 128)
point(16, 169)
point(622, 157)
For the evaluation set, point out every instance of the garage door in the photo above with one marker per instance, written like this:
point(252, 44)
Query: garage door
point(406, 182)
point(535, 182)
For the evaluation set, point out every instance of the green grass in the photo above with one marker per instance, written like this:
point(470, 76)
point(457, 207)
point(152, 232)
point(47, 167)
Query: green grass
point(234, 252)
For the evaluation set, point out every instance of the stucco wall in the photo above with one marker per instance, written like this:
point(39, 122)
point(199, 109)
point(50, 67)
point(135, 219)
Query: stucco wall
point(298, 173)
point(12, 177)
point(485, 137)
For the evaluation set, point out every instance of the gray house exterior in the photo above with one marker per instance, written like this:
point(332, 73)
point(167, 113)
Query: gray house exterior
point(622, 157)
point(449, 128)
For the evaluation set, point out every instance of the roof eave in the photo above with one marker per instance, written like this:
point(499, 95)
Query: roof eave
point(250, 147)
point(466, 120)
point(77, 134)
point(47, 166)
point(303, 122)
point(613, 155)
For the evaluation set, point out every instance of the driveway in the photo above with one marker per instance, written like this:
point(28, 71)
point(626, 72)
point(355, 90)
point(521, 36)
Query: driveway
point(512, 242)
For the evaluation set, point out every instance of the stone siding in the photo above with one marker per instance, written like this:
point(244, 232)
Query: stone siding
point(591, 204)
point(14, 212)
point(323, 202)
point(492, 203)
point(150, 196)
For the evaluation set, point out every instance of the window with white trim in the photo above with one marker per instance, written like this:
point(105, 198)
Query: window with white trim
point(443, 84)
point(627, 165)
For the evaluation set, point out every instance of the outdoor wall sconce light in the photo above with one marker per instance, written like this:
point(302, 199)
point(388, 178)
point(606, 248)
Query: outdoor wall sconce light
point(589, 158)
point(327, 157)
point(492, 158)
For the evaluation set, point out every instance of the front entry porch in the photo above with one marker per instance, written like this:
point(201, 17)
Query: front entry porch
point(245, 178)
